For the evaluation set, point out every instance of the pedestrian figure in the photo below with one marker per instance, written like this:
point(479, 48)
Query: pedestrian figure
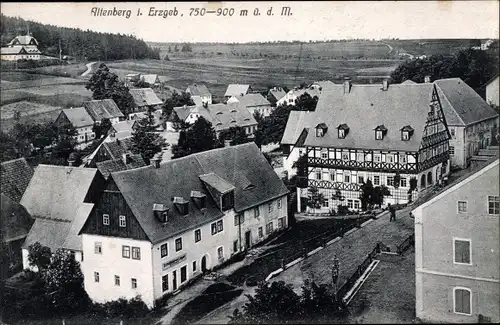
point(392, 211)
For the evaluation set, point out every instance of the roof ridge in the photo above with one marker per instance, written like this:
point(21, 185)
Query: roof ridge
point(449, 103)
point(12, 160)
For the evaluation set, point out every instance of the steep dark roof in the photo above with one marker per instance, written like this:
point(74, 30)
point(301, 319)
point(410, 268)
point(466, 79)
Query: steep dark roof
point(145, 97)
point(118, 147)
point(461, 104)
point(277, 93)
point(15, 177)
point(367, 106)
point(116, 165)
point(101, 109)
point(237, 165)
point(16, 221)
point(198, 90)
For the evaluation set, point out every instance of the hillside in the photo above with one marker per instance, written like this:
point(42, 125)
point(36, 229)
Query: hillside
point(83, 45)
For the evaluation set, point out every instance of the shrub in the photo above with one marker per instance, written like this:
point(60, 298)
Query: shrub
point(122, 307)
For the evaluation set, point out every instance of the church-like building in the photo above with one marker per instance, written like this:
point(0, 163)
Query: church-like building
point(21, 47)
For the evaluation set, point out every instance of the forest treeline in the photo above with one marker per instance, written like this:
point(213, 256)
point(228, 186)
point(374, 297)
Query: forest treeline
point(78, 43)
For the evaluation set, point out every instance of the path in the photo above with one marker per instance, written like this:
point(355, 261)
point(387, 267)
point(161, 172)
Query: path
point(390, 47)
point(89, 68)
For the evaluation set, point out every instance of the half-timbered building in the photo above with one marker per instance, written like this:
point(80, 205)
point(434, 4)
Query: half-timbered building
point(373, 132)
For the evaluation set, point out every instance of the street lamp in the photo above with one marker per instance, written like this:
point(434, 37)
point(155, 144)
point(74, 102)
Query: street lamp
point(335, 274)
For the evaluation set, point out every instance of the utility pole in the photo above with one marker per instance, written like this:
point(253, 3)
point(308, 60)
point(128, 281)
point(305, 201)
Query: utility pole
point(60, 51)
point(335, 274)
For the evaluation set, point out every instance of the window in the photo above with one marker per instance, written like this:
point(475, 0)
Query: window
point(390, 180)
point(452, 132)
point(164, 283)
point(319, 132)
point(345, 156)
point(134, 283)
point(402, 159)
point(462, 301)
point(403, 182)
point(462, 206)
point(493, 205)
point(405, 136)
point(194, 266)
point(183, 273)
point(98, 247)
point(324, 154)
point(279, 203)
point(270, 205)
point(96, 276)
point(332, 176)
point(376, 180)
point(220, 253)
point(123, 222)
point(197, 235)
point(214, 228)
point(390, 158)
point(256, 212)
point(350, 204)
point(235, 246)
point(376, 158)
point(220, 227)
point(164, 250)
point(325, 203)
point(462, 251)
point(356, 204)
point(281, 222)
point(261, 232)
point(136, 253)
point(452, 150)
point(341, 134)
point(117, 280)
point(378, 135)
point(318, 176)
point(105, 219)
point(126, 251)
point(178, 244)
point(269, 228)
point(347, 178)
point(361, 179)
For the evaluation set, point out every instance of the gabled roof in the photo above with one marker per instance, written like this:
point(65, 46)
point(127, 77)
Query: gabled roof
point(236, 90)
point(101, 109)
point(145, 97)
point(15, 177)
point(491, 80)
point(462, 106)
point(55, 191)
point(143, 187)
point(277, 93)
point(150, 78)
point(297, 121)
point(15, 220)
point(198, 90)
point(366, 106)
point(24, 40)
point(118, 147)
point(115, 165)
point(217, 182)
point(124, 126)
point(78, 117)
point(252, 100)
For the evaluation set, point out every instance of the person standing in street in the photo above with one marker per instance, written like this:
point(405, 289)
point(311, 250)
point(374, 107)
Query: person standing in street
point(392, 211)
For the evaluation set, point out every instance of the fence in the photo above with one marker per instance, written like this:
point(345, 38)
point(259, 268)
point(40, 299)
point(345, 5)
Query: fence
point(359, 271)
point(407, 243)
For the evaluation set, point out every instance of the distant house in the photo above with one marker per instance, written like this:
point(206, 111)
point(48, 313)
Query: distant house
point(151, 79)
point(275, 94)
point(132, 78)
point(199, 93)
point(60, 199)
point(81, 120)
point(144, 99)
point(103, 109)
point(237, 90)
point(253, 102)
point(486, 44)
point(222, 116)
point(291, 97)
point(15, 177)
point(122, 127)
point(15, 224)
point(126, 162)
point(112, 150)
point(21, 47)
point(492, 88)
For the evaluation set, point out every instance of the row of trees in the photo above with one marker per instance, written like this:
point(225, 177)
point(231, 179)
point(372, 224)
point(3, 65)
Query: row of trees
point(82, 44)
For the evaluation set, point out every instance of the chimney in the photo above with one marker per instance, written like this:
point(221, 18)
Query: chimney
point(427, 79)
point(347, 86)
point(385, 84)
point(126, 158)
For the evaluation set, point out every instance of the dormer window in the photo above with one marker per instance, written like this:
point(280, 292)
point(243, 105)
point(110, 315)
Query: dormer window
point(406, 133)
point(342, 129)
point(321, 129)
point(160, 211)
point(200, 199)
point(380, 132)
point(182, 205)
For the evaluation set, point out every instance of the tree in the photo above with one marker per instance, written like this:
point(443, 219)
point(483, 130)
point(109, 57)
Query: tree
point(105, 84)
point(379, 193)
point(236, 135)
point(366, 196)
point(176, 100)
point(64, 283)
point(169, 49)
point(306, 103)
point(7, 147)
point(197, 138)
point(176, 49)
point(301, 166)
point(142, 84)
point(396, 182)
point(271, 128)
point(39, 256)
point(257, 115)
point(177, 123)
point(315, 198)
point(145, 141)
point(186, 47)
point(102, 128)
point(413, 187)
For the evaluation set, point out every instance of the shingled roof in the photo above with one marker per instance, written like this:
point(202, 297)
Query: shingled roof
point(102, 109)
point(367, 106)
point(277, 93)
point(236, 90)
point(78, 116)
point(198, 90)
point(115, 165)
point(118, 147)
point(251, 100)
point(145, 97)
point(462, 106)
point(15, 177)
point(238, 166)
point(15, 220)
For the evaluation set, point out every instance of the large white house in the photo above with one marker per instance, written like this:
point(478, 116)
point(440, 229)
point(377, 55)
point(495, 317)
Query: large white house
point(81, 120)
point(199, 94)
point(159, 226)
point(21, 47)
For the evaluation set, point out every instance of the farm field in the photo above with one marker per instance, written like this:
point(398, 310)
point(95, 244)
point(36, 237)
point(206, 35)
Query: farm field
point(30, 113)
point(431, 47)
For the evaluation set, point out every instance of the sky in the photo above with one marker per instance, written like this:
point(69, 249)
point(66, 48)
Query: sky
point(309, 20)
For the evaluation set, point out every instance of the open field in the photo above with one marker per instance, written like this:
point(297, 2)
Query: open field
point(431, 47)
